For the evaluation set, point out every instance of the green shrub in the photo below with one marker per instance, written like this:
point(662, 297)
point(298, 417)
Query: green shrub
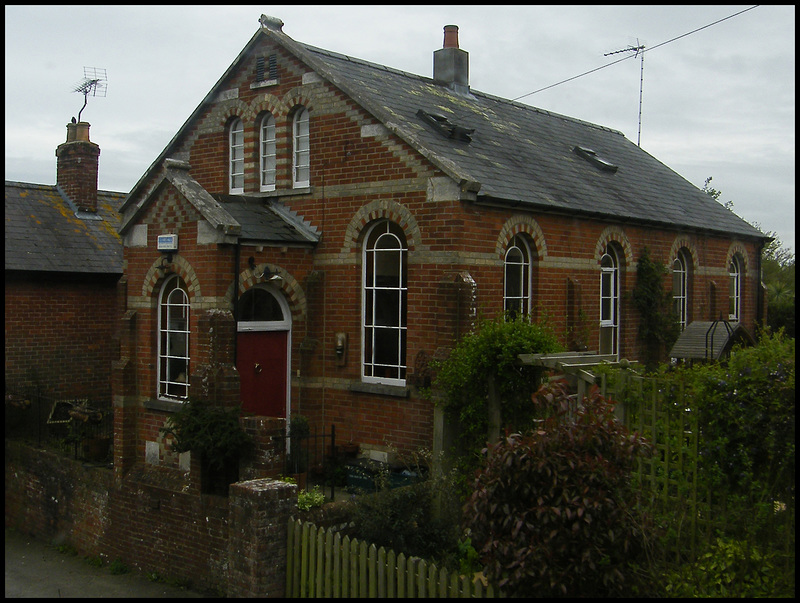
point(117, 567)
point(747, 418)
point(312, 498)
point(489, 356)
point(730, 568)
point(551, 512)
point(422, 519)
point(211, 430)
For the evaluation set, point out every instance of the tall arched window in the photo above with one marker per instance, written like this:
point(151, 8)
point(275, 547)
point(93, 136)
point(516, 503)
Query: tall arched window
point(301, 163)
point(517, 282)
point(173, 340)
point(609, 302)
point(680, 288)
point(385, 300)
point(735, 290)
point(267, 153)
point(236, 155)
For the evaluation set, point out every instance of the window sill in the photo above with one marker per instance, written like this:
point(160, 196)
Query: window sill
point(397, 391)
point(163, 405)
point(283, 192)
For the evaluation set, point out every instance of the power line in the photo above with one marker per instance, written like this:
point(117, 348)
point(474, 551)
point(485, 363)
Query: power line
point(632, 56)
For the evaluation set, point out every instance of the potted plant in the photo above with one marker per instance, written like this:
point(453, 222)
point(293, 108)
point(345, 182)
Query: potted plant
point(215, 434)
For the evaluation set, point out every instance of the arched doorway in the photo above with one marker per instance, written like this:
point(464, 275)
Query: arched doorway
point(262, 355)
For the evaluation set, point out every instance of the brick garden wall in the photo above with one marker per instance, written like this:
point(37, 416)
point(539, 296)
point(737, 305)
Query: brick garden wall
point(154, 520)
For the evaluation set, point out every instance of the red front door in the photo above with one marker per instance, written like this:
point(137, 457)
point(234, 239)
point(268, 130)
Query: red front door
point(262, 372)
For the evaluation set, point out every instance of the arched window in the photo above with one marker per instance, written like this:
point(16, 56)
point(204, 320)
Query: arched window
point(735, 290)
point(680, 288)
point(267, 153)
point(301, 163)
point(517, 283)
point(609, 302)
point(236, 154)
point(173, 340)
point(385, 303)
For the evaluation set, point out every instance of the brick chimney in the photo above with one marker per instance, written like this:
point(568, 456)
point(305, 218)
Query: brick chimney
point(77, 167)
point(450, 63)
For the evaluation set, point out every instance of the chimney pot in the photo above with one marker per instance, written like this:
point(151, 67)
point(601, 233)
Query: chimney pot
point(450, 36)
point(450, 63)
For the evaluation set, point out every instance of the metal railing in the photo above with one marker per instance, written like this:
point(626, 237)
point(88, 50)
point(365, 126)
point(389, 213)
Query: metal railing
point(82, 428)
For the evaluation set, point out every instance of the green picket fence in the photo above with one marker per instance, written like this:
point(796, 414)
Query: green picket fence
point(323, 563)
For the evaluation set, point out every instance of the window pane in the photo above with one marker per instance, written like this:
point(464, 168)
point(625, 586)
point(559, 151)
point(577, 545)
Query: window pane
point(259, 305)
point(387, 307)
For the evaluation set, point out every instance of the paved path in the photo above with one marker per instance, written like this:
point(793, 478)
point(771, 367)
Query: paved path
point(36, 569)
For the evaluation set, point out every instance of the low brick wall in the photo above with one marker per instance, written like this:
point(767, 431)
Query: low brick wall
point(153, 521)
point(56, 499)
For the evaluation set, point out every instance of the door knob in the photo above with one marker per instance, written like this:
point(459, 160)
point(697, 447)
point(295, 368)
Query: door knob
point(257, 367)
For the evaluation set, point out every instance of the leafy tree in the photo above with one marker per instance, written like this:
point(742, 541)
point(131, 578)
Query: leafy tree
point(777, 274)
point(551, 512)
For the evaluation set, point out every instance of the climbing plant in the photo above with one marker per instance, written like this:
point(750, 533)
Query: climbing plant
point(488, 358)
point(658, 325)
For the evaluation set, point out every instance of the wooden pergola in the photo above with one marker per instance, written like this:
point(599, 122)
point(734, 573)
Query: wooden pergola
point(576, 365)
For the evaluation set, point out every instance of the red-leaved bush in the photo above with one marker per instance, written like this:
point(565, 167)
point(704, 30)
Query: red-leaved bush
point(550, 513)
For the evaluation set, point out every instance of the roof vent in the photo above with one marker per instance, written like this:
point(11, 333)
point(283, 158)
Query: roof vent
point(590, 156)
point(444, 127)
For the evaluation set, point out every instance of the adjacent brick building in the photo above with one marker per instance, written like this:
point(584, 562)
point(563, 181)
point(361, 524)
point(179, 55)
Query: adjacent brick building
point(63, 262)
point(321, 227)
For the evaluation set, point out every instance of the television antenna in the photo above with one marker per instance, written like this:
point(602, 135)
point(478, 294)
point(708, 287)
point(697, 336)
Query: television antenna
point(94, 83)
point(638, 50)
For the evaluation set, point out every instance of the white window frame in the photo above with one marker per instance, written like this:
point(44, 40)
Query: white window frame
point(517, 290)
point(173, 340)
point(382, 324)
point(609, 302)
point(267, 154)
point(301, 149)
point(680, 289)
point(734, 290)
point(236, 157)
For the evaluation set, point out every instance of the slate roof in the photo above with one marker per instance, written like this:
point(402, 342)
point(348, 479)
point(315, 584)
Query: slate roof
point(268, 221)
point(523, 156)
point(44, 232)
point(518, 156)
point(235, 217)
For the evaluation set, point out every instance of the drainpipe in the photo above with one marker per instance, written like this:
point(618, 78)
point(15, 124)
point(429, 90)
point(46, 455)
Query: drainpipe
point(236, 259)
point(760, 318)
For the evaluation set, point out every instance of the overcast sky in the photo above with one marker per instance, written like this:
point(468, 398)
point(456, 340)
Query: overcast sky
point(719, 102)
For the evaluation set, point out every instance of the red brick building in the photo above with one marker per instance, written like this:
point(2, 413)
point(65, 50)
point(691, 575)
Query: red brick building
point(321, 227)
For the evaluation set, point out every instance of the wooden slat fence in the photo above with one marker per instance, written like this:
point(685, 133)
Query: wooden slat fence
point(323, 563)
